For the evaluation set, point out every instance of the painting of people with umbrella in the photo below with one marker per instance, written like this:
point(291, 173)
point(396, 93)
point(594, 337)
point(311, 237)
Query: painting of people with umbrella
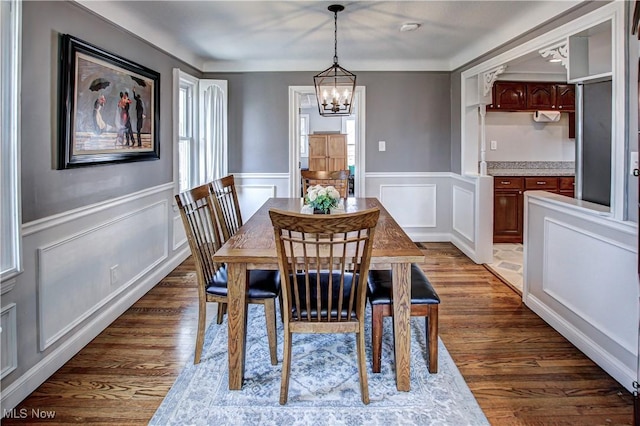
point(104, 98)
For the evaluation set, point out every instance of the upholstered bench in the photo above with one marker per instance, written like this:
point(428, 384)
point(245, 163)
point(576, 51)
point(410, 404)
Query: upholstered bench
point(424, 303)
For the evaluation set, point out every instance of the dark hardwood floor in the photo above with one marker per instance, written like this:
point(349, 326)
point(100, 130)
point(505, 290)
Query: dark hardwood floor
point(521, 371)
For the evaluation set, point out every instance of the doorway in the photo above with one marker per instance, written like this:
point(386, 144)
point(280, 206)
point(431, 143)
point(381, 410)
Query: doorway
point(303, 96)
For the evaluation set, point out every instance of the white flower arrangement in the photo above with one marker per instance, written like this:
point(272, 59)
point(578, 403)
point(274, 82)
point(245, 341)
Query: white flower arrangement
point(321, 198)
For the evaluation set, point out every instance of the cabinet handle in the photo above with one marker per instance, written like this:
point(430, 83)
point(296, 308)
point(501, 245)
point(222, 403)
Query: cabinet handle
point(505, 182)
point(560, 107)
point(541, 182)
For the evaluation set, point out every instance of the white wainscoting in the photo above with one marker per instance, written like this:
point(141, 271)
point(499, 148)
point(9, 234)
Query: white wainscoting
point(581, 277)
point(76, 271)
point(463, 212)
point(67, 294)
point(419, 202)
point(8, 340)
point(254, 189)
point(422, 212)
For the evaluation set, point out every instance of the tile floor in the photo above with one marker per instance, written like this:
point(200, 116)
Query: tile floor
point(507, 263)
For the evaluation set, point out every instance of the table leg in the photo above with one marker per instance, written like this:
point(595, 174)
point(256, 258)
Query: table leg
point(237, 319)
point(401, 273)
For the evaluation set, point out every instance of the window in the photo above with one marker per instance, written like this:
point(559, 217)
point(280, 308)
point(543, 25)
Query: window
point(186, 139)
point(10, 213)
point(349, 128)
point(202, 130)
point(304, 134)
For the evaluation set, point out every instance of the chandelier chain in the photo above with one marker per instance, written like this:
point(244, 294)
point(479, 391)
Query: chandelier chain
point(335, 37)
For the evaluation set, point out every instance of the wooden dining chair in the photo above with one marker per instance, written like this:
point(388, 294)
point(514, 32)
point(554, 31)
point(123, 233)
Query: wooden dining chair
point(198, 212)
point(324, 261)
point(229, 215)
point(424, 303)
point(338, 179)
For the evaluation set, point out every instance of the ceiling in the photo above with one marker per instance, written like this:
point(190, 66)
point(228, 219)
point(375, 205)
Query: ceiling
point(298, 35)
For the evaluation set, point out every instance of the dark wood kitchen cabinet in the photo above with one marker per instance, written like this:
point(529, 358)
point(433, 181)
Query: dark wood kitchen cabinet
point(508, 209)
point(508, 202)
point(509, 96)
point(532, 96)
point(551, 96)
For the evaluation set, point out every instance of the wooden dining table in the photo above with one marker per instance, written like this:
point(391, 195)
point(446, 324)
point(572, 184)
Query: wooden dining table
point(253, 247)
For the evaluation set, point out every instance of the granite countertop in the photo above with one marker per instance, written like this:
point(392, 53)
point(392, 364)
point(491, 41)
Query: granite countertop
point(531, 168)
point(531, 172)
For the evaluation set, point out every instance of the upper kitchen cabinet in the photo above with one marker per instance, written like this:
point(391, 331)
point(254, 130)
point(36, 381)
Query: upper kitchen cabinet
point(509, 96)
point(541, 96)
point(590, 53)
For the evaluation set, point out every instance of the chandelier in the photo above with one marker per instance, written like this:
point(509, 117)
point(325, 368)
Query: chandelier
point(335, 86)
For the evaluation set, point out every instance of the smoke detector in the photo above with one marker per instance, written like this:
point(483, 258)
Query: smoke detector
point(412, 26)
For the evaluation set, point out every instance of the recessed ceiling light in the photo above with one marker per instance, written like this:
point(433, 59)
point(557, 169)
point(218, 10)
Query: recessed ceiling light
point(409, 27)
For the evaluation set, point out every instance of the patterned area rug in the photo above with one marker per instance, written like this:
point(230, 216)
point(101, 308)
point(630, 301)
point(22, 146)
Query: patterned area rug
point(324, 387)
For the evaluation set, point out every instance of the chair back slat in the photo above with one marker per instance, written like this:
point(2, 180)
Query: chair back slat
point(229, 215)
point(339, 179)
point(198, 215)
point(324, 261)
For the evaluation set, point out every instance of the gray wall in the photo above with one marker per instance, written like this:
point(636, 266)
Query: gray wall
point(45, 190)
point(408, 110)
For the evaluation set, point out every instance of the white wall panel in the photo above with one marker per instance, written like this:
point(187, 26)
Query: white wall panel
point(411, 205)
point(8, 340)
point(75, 272)
point(252, 197)
point(256, 188)
point(179, 234)
point(463, 212)
point(584, 271)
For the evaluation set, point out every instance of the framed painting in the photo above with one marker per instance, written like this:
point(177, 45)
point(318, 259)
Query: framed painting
point(109, 107)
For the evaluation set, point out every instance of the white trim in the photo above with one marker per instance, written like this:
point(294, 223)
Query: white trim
point(294, 132)
point(71, 215)
point(261, 175)
point(410, 174)
point(10, 107)
point(175, 118)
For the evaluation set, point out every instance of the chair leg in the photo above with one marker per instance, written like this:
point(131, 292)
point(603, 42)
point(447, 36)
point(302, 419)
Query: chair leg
point(222, 309)
point(362, 366)
point(286, 367)
point(270, 317)
point(376, 337)
point(432, 333)
point(202, 319)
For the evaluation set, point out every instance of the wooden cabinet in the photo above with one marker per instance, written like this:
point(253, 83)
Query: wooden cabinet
point(550, 96)
point(567, 186)
point(532, 96)
point(541, 96)
point(509, 96)
point(508, 202)
point(328, 152)
point(508, 209)
point(565, 97)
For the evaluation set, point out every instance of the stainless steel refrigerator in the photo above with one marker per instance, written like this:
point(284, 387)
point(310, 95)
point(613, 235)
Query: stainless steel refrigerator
point(593, 142)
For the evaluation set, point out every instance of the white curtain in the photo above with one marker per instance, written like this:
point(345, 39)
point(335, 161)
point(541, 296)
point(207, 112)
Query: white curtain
point(214, 130)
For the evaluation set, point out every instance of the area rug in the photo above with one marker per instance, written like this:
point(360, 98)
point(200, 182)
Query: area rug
point(324, 387)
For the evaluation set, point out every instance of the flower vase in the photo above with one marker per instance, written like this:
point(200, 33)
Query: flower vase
point(320, 211)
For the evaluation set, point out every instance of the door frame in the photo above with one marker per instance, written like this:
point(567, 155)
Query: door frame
point(295, 94)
